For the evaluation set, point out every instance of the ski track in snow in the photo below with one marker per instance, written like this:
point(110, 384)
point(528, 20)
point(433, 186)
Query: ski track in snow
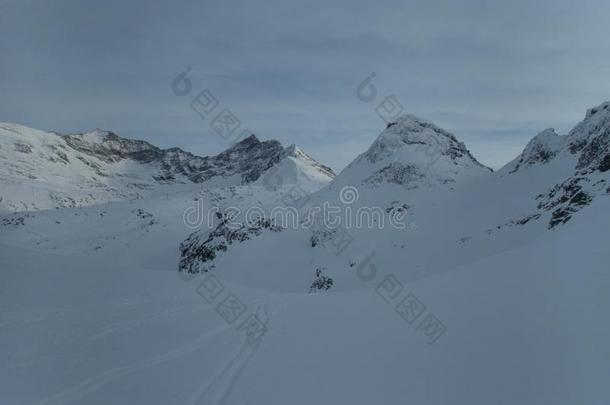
point(110, 329)
point(218, 390)
point(123, 326)
point(42, 314)
point(93, 384)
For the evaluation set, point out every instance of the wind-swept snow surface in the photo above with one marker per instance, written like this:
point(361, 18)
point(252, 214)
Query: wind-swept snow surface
point(523, 326)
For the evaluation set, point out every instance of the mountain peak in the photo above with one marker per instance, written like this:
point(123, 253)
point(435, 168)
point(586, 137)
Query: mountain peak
point(110, 147)
point(603, 108)
point(296, 152)
point(595, 124)
point(539, 150)
point(590, 139)
point(421, 139)
point(588, 143)
point(412, 152)
point(250, 140)
point(95, 135)
point(408, 122)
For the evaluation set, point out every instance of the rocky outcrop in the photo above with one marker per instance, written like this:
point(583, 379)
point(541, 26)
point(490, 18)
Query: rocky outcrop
point(321, 282)
point(540, 150)
point(585, 151)
point(200, 249)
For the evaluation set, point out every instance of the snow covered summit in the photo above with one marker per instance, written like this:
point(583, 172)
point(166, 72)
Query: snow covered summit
point(591, 140)
point(586, 148)
point(412, 152)
point(572, 168)
point(542, 148)
point(296, 167)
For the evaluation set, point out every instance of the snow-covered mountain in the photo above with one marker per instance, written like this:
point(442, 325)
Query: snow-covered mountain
point(541, 149)
point(426, 177)
point(41, 170)
point(576, 166)
point(413, 153)
point(459, 284)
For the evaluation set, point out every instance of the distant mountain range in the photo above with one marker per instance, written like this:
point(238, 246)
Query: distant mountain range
point(458, 205)
point(42, 170)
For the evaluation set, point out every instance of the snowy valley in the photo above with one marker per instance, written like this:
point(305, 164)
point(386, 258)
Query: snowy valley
point(134, 274)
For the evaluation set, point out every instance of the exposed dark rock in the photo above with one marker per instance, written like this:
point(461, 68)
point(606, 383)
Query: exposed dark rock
point(23, 148)
point(14, 221)
point(198, 251)
point(561, 216)
point(322, 235)
point(526, 219)
point(540, 150)
point(565, 199)
point(247, 159)
point(146, 217)
point(596, 153)
point(515, 222)
point(396, 206)
point(604, 165)
point(321, 282)
point(398, 173)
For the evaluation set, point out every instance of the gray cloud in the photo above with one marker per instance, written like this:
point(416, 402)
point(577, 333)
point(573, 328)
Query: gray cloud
point(494, 73)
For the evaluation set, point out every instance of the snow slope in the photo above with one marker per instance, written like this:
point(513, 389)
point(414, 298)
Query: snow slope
point(524, 326)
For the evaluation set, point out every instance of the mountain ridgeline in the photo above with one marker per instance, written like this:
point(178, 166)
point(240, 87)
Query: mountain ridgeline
point(41, 170)
point(455, 202)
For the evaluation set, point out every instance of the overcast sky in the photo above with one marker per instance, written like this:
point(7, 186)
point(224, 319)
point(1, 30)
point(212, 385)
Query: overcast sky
point(493, 73)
